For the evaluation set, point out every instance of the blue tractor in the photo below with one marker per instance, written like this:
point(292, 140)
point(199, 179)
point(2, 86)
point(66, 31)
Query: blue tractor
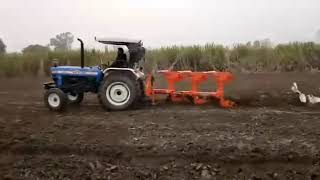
point(119, 86)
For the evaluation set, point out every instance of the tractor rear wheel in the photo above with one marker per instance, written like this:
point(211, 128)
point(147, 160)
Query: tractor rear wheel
point(118, 91)
point(55, 99)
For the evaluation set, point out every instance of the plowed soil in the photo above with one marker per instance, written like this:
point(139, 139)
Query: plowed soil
point(270, 135)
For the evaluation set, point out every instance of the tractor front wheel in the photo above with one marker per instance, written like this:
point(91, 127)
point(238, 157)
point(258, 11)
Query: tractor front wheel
point(118, 91)
point(55, 99)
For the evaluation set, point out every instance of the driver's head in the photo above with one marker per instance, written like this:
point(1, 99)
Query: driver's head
point(120, 51)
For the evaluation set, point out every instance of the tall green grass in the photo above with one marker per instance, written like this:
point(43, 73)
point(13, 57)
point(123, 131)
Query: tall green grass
point(18, 64)
point(241, 57)
point(248, 57)
point(15, 64)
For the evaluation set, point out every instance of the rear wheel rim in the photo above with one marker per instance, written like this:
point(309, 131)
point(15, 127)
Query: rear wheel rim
point(54, 100)
point(118, 93)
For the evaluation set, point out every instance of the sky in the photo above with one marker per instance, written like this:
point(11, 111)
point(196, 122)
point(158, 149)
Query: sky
point(158, 22)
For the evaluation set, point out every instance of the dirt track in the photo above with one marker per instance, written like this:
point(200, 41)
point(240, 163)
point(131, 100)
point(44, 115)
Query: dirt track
point(269, 136)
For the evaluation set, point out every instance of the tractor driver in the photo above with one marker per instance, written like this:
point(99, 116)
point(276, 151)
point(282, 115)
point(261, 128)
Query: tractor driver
point(121, 60)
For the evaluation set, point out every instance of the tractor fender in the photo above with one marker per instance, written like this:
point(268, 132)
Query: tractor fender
point(136, 73)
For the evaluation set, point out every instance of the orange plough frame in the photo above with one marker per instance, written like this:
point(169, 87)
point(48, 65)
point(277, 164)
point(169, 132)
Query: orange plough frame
point(196, 78)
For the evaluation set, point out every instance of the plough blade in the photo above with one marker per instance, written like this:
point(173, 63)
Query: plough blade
point(196, 79)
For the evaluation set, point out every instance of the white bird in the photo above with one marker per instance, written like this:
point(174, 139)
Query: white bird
point(302, 96)
point(313, 99)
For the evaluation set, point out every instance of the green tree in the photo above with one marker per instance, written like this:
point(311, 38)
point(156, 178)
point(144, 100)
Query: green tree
point(36, 48)
point(62, 42)
point(256, 44)
point(318, 36)
point(266, 43)
point(2, 47)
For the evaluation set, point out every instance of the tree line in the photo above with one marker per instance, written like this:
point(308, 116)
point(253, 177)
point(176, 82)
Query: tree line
point(61, 42)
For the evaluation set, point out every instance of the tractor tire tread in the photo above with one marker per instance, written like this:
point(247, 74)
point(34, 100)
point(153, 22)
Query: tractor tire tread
point(62, 96)
point(114, 76)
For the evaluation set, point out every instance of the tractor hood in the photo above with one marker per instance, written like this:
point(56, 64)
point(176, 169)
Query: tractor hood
point(75, 70)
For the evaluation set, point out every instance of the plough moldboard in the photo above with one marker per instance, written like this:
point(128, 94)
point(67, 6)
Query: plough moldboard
point(196, 79)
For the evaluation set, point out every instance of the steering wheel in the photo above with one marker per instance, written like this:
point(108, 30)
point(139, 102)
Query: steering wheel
point(104, 66)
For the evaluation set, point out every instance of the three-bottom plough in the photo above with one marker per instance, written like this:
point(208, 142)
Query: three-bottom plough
point(196, 78)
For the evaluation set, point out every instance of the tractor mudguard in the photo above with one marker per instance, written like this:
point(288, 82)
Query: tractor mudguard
point(137, 74)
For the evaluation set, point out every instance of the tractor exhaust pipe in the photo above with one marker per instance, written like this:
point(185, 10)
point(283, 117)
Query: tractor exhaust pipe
point(82, 52)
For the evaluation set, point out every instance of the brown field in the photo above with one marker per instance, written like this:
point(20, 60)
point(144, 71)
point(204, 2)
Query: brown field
point(268, 136)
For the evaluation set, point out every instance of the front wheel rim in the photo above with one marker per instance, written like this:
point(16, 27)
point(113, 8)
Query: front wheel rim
point(118, 93)
point(54, 100)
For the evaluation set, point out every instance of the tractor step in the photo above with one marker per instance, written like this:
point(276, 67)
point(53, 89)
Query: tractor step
point(49, 85)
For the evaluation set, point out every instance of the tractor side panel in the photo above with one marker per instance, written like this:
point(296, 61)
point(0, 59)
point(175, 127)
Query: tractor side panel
point(77, 79)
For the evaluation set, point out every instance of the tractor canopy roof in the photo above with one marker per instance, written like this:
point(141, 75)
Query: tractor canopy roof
point(119, 41)
point(137, 52)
